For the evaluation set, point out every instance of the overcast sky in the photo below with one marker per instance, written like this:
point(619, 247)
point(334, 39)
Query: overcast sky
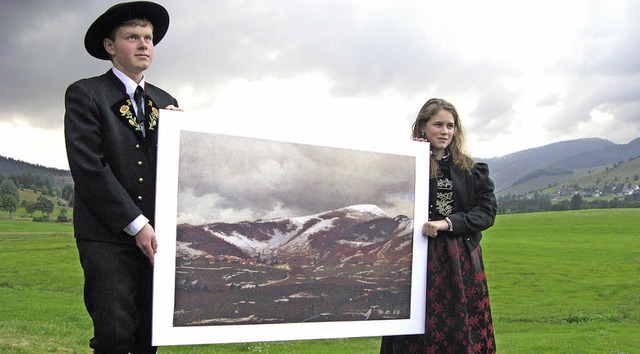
point(521, 73)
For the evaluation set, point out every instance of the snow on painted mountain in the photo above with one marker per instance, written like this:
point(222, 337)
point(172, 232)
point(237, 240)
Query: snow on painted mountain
point(362, 232)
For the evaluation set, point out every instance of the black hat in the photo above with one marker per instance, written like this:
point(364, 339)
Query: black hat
point(117, 14)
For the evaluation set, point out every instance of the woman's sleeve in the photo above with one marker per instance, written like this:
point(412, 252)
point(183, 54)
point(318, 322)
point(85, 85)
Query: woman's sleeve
point(484, 207)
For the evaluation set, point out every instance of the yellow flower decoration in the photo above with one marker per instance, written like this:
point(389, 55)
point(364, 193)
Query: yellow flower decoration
point(153, 117)
point(126, 112)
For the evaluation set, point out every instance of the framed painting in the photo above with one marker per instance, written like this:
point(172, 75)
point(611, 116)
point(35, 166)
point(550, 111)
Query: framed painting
point(274, 237)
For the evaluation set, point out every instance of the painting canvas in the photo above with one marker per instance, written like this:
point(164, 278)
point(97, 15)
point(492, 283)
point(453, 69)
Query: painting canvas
point(265, 238)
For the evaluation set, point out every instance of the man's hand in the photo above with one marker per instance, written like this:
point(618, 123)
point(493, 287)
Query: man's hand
point(147, 242)
point(174, 108)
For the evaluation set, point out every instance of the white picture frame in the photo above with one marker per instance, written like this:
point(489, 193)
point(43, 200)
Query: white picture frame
point(200, 167)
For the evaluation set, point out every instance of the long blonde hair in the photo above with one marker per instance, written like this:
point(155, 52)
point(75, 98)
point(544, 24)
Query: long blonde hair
point(457, 148)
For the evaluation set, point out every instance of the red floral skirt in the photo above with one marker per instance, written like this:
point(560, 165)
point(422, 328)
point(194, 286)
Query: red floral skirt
point(458, 318)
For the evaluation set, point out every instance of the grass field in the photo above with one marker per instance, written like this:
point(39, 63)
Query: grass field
point(563, 282)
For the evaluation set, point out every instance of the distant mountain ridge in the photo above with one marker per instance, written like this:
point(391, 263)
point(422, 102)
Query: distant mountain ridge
point(604, 156)
point(562, 156)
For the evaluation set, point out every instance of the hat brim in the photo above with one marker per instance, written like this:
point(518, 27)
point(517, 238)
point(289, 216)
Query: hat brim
point(117, 14)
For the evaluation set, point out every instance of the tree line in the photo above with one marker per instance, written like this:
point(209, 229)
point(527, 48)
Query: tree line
point(10, 196)
point(508, 204)
point(538, 202)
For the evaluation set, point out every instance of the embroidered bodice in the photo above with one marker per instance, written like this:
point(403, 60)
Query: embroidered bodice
point(441, 204)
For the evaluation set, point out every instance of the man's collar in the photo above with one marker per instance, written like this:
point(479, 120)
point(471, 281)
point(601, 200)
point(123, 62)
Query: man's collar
point(129, 84)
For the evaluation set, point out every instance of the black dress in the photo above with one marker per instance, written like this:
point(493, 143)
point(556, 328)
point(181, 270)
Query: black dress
point(458, 318)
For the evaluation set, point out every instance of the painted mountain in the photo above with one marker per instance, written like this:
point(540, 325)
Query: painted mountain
point(347, 264)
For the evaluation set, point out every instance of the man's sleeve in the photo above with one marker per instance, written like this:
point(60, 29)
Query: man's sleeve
point(94, 181)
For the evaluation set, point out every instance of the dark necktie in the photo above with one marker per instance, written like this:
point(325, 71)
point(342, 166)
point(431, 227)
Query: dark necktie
point(139, 97)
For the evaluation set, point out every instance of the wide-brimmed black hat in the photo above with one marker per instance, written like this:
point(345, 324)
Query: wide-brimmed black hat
point(117, 14)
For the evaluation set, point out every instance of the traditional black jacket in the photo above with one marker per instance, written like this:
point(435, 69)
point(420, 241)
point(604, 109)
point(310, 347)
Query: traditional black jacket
point(475, 202)
point(113, 166)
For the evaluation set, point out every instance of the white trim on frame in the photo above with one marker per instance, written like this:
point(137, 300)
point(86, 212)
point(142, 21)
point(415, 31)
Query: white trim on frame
point(165, 333)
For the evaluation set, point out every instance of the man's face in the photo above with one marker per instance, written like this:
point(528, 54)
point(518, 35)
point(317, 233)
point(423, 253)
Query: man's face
point(131, 50)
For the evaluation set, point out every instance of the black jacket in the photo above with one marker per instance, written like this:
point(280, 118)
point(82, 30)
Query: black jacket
point(112, 164)
point(475, 203)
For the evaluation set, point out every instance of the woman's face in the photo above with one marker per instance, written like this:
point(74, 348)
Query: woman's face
point(439, 131)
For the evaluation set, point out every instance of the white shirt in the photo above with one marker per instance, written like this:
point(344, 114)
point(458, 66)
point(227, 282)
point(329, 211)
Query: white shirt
point(129, 84)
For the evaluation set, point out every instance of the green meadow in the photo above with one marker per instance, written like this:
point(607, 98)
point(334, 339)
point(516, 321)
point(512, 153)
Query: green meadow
point(560, 282)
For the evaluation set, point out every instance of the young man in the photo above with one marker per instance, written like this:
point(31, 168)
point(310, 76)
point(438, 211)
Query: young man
point(111, 125)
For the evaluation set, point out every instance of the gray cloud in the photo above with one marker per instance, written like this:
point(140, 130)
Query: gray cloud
point(254, 177)
point(286, 38)
point(365, 49)
point(42, 54)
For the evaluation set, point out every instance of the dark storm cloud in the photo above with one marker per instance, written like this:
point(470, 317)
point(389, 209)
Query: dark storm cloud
point(42, 54)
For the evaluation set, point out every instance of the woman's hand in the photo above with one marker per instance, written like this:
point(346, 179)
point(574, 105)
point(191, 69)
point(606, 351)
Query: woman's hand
point(431, 228)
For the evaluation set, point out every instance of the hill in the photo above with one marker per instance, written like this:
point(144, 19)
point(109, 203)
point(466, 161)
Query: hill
point(535, 169)
point(618, 179)
point(58, 177)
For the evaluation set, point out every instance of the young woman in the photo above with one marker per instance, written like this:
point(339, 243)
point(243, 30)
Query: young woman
point(462, 204)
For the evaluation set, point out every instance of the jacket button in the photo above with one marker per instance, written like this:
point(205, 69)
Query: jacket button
point(139, 163)
point(140, 198)
point(137, 146)
point(140, 179)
